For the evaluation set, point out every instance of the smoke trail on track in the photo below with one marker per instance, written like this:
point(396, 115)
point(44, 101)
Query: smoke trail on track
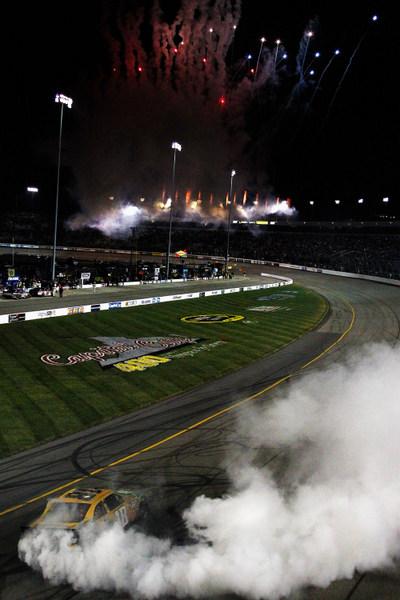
point(335, 510)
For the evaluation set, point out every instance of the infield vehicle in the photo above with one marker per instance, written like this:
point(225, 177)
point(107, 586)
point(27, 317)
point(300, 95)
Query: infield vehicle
point(38, 292)
point(14, 293)
point(80, 506)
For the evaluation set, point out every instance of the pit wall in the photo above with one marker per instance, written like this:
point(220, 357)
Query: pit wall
point(86, 308)
point(117, 304)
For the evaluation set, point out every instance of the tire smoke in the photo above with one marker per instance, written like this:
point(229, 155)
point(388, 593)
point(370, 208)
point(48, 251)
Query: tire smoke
point(334, 510)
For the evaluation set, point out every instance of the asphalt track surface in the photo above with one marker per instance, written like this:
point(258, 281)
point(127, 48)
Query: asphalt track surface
point(176, 448)
point(109, 294)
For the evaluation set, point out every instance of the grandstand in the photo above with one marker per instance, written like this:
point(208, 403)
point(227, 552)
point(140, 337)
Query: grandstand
point(369, 248)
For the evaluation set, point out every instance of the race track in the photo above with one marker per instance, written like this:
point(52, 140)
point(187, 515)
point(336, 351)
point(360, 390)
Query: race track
point(154, 450)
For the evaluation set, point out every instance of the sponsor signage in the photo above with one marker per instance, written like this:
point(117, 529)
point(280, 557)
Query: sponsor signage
point(278, 296)
point(85, 276)
point(128, 303)
point(66, 311)
point(75, 310)
point(194, 350)
point(95, 308)
point(142, 363)
point(215, 318)
point(115, 350)
point(14, 317)
point(45, 314)
point(117, 304)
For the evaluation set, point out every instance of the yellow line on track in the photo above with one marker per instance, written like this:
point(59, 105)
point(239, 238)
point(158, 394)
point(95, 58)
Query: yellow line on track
point(340, 338)
point(186, 429)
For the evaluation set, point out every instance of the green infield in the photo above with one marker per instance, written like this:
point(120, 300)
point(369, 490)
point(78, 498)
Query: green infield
point(52, 382)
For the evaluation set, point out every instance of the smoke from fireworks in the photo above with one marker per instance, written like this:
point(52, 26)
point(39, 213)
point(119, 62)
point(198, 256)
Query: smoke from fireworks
point(119, 219)
point(114, 222)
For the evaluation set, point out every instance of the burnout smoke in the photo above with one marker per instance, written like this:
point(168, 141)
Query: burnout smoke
point(336, 509)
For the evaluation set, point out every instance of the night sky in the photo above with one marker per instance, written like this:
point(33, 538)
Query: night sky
point(282, 135)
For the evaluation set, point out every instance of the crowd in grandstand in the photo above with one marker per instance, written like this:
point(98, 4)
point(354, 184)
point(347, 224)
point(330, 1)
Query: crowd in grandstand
point(367, 250)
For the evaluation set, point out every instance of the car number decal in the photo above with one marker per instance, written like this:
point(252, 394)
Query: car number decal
point(122, 516)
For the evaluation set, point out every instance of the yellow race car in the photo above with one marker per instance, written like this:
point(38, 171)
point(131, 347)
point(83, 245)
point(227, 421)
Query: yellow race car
point(80, 506)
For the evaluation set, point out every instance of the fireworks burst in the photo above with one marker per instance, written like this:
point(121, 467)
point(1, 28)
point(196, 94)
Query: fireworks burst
point(173, 76)
point(168, 80)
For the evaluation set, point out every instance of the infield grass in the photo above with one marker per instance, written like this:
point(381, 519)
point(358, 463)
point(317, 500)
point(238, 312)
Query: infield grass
point(39, 402)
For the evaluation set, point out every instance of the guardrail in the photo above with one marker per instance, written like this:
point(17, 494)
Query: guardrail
point(385, 280)
point(117, 304)
point(80, 309)
point(209, 257)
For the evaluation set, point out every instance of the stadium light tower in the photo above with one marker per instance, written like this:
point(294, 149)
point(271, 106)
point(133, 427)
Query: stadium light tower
point(175, 146)
point(60, 98)
point(233, 173)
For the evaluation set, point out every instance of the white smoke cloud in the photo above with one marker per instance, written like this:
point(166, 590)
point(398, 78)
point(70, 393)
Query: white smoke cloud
point(114, 221)
point(335, 510)
point(263, 209)
point(118, 219)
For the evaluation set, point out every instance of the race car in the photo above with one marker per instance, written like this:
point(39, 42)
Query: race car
point(38, 292)
point(15, 293)
point(78, 507)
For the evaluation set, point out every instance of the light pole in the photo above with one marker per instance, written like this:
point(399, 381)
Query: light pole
point(233, 173)
point(68, 101)
point(175, 146)
point(31, 190)
point(134, 246)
